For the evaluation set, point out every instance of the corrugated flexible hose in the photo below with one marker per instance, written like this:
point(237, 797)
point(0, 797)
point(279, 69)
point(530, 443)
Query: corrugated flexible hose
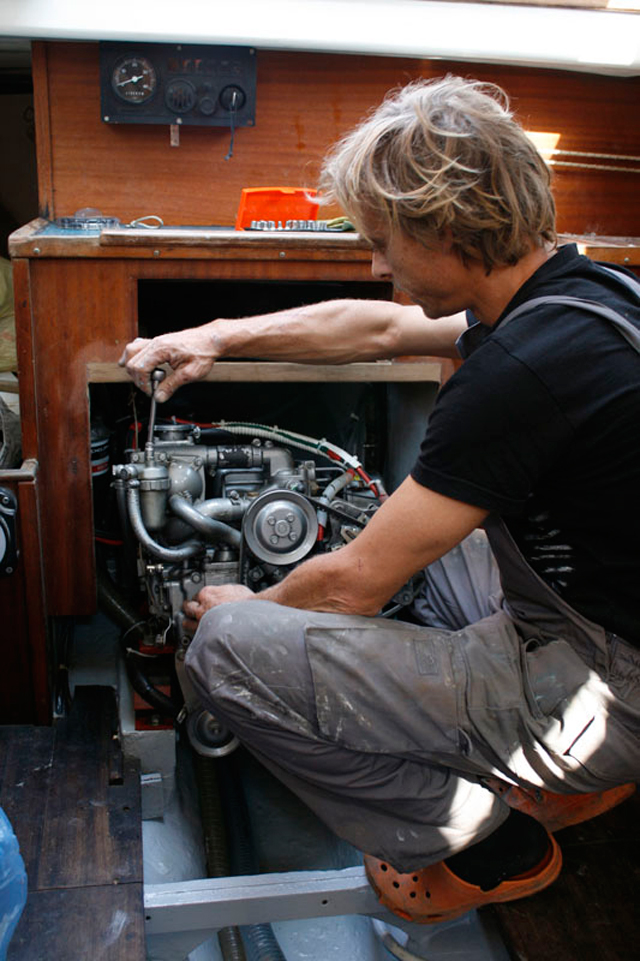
point(223, 806)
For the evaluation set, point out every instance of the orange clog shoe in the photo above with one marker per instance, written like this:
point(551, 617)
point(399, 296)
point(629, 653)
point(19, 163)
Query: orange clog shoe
point(436, 894)
point(557, 811)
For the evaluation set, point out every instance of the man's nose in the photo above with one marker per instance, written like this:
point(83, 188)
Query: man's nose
point(379, 266)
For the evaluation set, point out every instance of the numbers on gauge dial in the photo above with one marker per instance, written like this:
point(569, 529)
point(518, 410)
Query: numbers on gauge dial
point(134, 79)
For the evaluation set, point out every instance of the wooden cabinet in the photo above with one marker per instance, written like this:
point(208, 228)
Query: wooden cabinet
point(77, 308)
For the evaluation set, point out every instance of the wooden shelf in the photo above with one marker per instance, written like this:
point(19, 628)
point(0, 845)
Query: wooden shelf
point(276, 372)
point(40, 239)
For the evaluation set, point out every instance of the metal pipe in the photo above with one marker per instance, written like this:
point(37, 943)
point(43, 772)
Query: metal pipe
point(157, 376)
point(169, 554)
point(212, 529)
point(125, 525)
point(224, 508)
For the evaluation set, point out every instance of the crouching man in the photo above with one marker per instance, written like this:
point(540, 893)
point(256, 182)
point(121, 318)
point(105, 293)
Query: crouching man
point(449, 751)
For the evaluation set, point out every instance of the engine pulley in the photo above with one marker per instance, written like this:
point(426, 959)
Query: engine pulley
point(280, 527)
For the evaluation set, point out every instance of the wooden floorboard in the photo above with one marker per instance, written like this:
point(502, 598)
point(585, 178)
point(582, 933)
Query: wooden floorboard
point(590, 912)
point(26, 763)
point(89, 831)
point(102, 923)
point(74, 803)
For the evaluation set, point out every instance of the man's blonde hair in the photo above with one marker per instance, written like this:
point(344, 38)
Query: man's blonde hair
point(446, 155)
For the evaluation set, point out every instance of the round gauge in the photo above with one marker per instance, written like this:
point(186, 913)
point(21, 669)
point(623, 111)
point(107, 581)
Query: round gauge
point(134, 79)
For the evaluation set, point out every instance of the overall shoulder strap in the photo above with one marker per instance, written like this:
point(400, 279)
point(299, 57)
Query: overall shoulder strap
point(633, 283)
point(630, 333)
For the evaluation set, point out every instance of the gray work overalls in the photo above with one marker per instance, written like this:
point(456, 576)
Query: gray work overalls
point(386, 729)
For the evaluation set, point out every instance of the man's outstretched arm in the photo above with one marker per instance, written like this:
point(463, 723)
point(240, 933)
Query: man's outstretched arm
point(331, 332)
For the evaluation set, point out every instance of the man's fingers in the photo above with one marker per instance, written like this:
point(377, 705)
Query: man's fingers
point(132, 349)
point(192, 609)
point(142, 356)
point(173, 380)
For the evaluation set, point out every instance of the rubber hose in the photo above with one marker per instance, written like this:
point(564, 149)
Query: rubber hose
point(116, 607)
point(215, 845)
point(169, 554)
point(142, 686)
point(113, 603)
point(260, 940)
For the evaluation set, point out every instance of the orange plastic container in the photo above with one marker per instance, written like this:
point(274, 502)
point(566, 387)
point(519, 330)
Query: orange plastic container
point(275, 203)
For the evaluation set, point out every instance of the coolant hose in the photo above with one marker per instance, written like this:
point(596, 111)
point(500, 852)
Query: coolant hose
point(215, 845)
point(260, 940)
point(169, 554)
point(222, 802)
point(208, 527)
point(117, 608)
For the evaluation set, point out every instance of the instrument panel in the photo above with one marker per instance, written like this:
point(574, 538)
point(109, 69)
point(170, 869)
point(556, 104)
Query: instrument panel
point(190, 84)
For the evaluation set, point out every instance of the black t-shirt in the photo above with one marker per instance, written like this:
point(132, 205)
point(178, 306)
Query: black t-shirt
point(542, 425)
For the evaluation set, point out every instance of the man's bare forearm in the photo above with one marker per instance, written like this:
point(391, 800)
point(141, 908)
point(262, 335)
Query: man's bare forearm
point(337, 332)
point(323, 583)
point(410, 531)
point(331, 332)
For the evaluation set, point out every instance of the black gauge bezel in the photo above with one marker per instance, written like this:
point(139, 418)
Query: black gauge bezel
point(210, 68)
point(147, 65)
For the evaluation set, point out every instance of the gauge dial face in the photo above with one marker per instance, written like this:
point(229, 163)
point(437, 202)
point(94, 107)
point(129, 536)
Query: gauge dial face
point(134, 79)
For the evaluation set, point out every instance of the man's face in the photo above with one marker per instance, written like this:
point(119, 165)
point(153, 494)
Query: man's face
point(433, 277)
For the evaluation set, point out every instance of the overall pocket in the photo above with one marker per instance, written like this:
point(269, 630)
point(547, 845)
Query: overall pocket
point(385, 688)
point(580, 729)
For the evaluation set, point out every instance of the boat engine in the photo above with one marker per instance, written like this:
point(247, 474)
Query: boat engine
point(232, 503)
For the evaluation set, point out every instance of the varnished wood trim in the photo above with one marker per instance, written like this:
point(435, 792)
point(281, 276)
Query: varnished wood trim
point(194, 236)
point(27, 380)
point(44, 146)
point(626, 256)
point(171, 243)
point(277, 372)
point(31, 557)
